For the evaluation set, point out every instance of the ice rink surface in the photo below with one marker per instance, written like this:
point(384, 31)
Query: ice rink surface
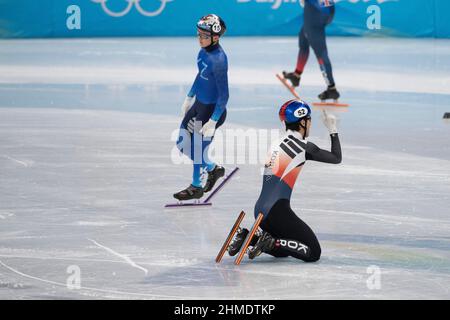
point(86, 169)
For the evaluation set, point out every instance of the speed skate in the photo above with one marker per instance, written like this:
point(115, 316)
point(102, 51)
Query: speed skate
point(207, 201)
point(287, 85)
point(234, 232)
point(323, 103)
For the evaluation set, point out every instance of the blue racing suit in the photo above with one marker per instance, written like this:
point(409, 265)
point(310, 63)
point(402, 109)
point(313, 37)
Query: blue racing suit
point(210, 89)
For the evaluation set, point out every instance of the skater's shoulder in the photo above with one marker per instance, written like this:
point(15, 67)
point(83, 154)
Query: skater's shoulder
point(291, 142)
point(216, 52)
point(296, 136)
point(214, 57)
point(218, 49)
point(311, 147)
point(219, 63)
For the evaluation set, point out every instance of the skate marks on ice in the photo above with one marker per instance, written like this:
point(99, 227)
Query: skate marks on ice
point(199, 279)
point(24, 163)
point(82, 290)
point(5, 215)
point(340, 273)
point(122, 256)
point(170, 279)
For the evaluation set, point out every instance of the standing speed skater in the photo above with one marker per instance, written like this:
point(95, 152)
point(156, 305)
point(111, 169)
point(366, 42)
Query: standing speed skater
point(283, 232)
point(204, 109)
point(317, 15)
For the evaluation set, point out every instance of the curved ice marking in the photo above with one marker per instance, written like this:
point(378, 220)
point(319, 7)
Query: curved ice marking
point(84, 288)
point(17, 161)
point(124, 257)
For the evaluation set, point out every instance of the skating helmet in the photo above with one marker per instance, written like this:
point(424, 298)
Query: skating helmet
point(294, 111)
point(212, 24)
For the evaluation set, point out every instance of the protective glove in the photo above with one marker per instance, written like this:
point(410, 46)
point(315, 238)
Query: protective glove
point(330, 122)
point(209, 128)
point(187, 104)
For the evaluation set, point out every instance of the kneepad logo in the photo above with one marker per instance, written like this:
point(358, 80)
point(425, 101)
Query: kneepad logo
point(294, 245)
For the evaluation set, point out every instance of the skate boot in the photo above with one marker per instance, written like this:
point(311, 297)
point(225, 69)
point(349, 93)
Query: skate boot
point(213, 176)
point(293, 77)
point(238, 241)
point(330, 93)
point(265, 243)
point(191, 192)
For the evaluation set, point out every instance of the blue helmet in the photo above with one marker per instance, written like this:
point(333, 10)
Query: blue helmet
point(212, 24)
point(294, 111)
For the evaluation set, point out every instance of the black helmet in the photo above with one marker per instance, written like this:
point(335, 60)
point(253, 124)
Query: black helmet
point(212, 24)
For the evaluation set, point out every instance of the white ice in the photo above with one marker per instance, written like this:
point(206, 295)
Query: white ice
point(85, 172)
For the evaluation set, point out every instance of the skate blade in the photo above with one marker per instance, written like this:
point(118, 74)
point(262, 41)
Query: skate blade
point(287, 85)
point(225, 179)
point(233, 231)
point(196, 203)
point(206, 202)
point(330, 104)
point(332, 109)
point(248, 239)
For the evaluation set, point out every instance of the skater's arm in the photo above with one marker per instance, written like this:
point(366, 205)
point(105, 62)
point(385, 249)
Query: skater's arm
point(193, 90)
point(189, 100)
point(221, 76)
point(314, 153)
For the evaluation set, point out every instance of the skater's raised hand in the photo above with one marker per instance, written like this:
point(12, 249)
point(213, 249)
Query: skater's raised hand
point(330, 122)
point(209, 128)
point(187, 104)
